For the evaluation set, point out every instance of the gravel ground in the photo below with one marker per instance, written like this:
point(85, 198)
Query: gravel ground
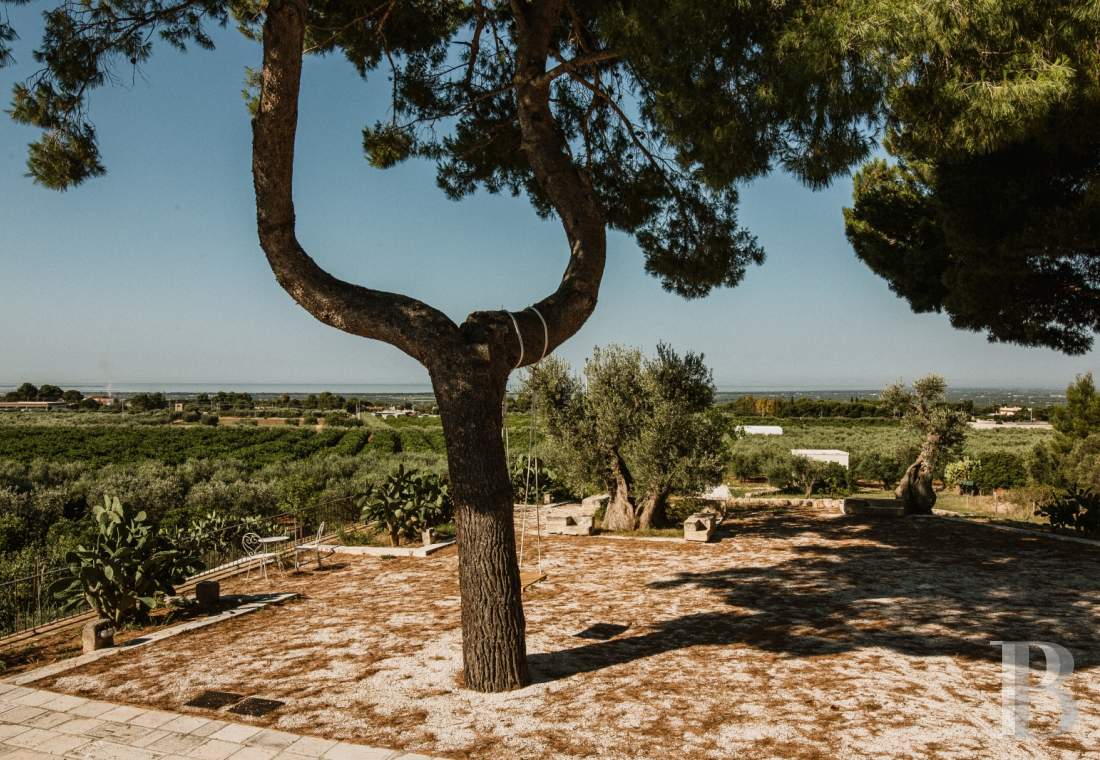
point(799, 635)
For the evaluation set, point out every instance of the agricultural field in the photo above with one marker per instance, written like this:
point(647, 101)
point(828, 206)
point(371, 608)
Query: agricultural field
point(54, 466)
point(862, 435)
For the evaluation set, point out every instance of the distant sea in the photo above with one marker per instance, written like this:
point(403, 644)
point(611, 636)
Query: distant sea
point(256, 389)
point(981, 396)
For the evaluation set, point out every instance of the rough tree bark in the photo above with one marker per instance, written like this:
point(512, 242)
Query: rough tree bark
point(915, 489)
point(469, 364)
point(493, 647)
point(621, 512)
point(651, 512)
point(625, 510)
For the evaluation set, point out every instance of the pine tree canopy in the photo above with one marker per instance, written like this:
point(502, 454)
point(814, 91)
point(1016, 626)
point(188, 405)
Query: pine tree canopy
point(990, 208)
point(665, 106)
point(987, 209)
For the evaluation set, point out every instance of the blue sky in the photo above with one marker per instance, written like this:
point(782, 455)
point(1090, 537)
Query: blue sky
point(152, 274)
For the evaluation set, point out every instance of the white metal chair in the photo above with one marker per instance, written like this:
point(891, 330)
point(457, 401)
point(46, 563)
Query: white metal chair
point(253, 550)
point(317, 547)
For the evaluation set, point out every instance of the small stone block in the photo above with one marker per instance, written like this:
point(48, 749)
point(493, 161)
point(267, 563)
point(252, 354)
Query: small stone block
point(253, 753)
point(700, 526)
point(152, 719)
point(48, 720)
point(570, 525)
point(92, 709)
point(207, 593)
point(96, 635)
point(270, 738)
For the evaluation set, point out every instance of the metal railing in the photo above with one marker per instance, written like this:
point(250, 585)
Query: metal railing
point(26, 604)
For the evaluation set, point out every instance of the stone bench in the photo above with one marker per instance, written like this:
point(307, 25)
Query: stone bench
point(570, 525)
point(700, 526)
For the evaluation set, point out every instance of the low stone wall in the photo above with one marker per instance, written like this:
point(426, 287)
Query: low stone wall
point(872, 507)
point(829, 504)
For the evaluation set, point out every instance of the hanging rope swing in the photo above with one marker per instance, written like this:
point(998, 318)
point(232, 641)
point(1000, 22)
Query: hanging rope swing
point(529, 574)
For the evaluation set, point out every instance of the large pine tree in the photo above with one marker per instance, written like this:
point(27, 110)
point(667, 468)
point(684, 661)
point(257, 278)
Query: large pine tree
point(990, 207)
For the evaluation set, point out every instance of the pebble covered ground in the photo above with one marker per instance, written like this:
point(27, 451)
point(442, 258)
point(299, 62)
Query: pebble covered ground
point(801, 634)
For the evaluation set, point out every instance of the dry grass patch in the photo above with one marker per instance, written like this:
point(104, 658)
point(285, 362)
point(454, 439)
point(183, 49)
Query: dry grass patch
point(800, 635)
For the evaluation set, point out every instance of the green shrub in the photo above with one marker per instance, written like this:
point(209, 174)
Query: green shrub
point(747, 463)
point(835, 479)
point(406, 503)
point(385, 440)
point(209, 419)
point(1000, 469)
point(122, 574)
point(352, 442)
point(960, 471)
point(1077, 509)
point(877, 465)
point(780, 472)
point(1041, 467)
point(548, 480)
point(417, 439)
point(789, 473)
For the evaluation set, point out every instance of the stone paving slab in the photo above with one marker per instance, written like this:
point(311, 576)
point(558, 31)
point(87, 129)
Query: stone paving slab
point(36, 724)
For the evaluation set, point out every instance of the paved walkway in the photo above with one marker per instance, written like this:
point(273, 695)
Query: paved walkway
point(36, 724)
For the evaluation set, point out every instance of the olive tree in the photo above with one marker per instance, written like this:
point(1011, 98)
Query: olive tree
point(942, 429)
point(640, 427)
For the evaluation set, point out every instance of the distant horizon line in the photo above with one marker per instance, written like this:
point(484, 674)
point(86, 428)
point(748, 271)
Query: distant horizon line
point(200, 387)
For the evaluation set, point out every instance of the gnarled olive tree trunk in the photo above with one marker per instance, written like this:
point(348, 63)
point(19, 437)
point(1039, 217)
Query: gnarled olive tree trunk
point(469, 363)
point(652, 512)
point(915, 489)
point(621, 512)
point(625, 509)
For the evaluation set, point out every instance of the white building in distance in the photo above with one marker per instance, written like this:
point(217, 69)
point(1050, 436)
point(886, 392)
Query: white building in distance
point(760, 429)
point(823, 455)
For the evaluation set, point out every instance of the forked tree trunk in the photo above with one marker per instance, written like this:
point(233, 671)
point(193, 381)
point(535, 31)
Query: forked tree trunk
point(493, 647)
point(469, 364)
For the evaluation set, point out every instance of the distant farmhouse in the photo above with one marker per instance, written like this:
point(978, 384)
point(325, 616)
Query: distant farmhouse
point(760, 429)
point(31, 406)
point(823, 455)
point(392, 412)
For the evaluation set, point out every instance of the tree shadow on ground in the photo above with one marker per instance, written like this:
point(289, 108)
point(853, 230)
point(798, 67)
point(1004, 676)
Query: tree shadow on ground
point(921, 587)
